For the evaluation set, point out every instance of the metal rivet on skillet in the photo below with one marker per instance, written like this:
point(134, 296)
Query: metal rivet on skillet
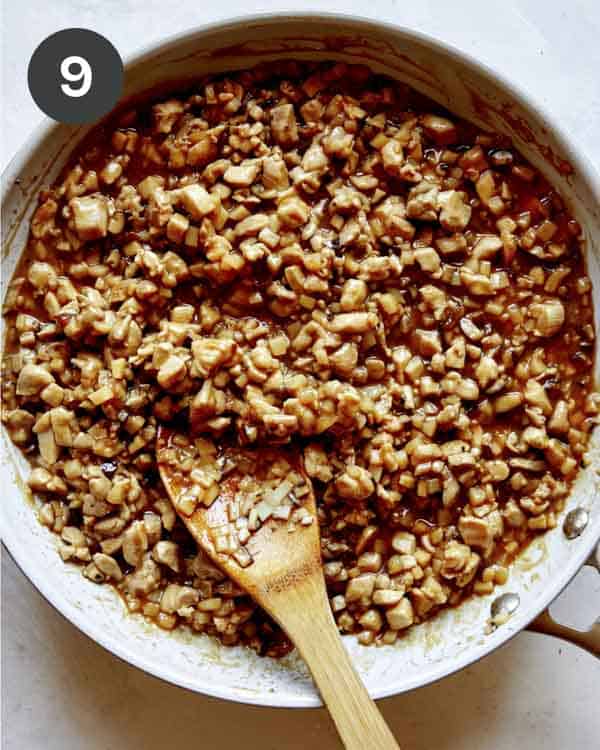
point(504, 606)
point(575, 522)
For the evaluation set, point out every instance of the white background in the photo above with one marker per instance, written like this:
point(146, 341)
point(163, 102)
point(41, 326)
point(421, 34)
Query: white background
point(63, 692)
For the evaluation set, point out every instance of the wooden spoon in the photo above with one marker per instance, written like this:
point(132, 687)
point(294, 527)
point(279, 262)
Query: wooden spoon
point(286, 579)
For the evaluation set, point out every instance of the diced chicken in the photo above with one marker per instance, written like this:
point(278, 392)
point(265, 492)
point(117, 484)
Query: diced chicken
point(90, 214)
point(456, 556)
point(177, 227)
point(316, 463)
point(314, 159)
point(338, 143)
point(64, 426)
point(486, 186)
point(197, 201)
point(440, 129)
point(355, 483)
point(354, 293)
point(401, 616)
point(361, 588)
point(487, 246)
point(293, 212)
point(423, 201)
point(428, 259)
point(203, 152)
point(284, 126)
point(145, 579)
point(392, 155)
point(108, 566)
point(353, 322)
point(507, 402)
point(166, 114)
point(476, 283)
point(391, 213)
point(404, 543)
point(549, 317)
point(252, 225)
point(559, 422)
point(455, 214)
point(210, 353)
point(47, 446)
point(428, 342)
point(536, 395)
point(177, 597)
point(135, 543)
point(476, 532)
point(42, 275)
point(275, 174)
point(32, 379)
point(243, 175)
point(456, 353)
point(171, 371)
point(486, 371)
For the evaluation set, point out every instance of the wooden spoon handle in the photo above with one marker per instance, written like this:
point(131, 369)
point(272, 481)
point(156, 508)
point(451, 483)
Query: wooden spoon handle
point(308, 621)
point(357, 719)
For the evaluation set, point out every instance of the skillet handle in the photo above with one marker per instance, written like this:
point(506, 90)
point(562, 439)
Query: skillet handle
point(587, 639)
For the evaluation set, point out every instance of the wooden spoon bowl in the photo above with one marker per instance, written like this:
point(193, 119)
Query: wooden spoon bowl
point(285, 578)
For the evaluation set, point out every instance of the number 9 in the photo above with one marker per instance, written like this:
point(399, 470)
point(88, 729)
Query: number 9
point(83, 74)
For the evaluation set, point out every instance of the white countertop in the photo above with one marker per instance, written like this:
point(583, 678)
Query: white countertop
point(60, 691)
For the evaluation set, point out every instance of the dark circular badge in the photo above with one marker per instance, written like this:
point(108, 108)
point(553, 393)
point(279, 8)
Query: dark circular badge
point(75, 76)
